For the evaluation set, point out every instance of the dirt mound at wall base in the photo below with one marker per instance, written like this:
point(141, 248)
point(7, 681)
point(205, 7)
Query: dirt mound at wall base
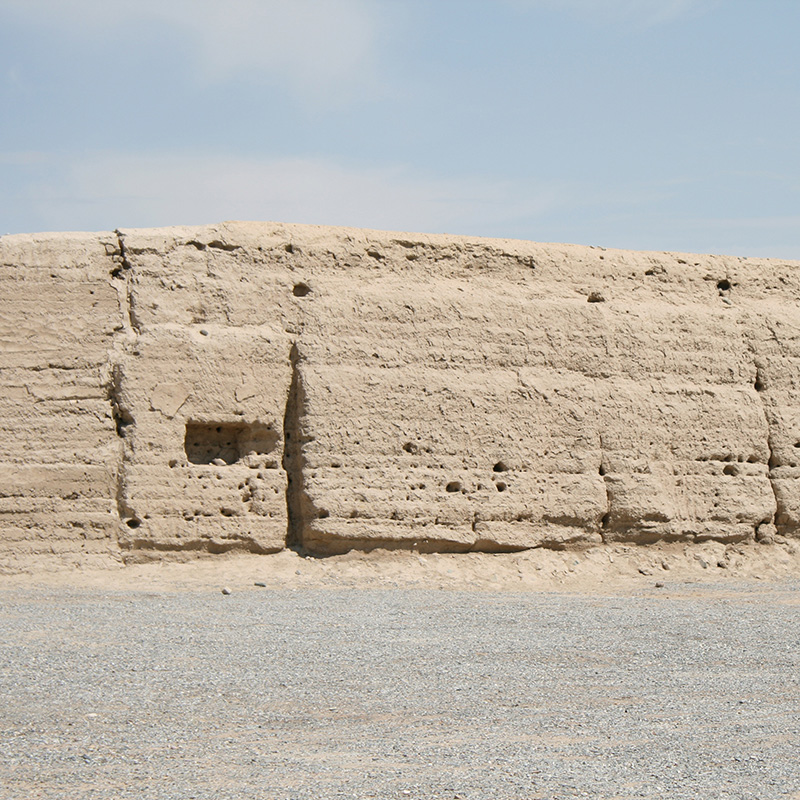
point(603, 569)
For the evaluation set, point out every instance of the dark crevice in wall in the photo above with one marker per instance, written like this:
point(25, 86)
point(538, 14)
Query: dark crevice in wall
point(123, 272)
point(128, 332)
point(123, 421)
point(293, 459)
point(601, 470)
point(771, 479)
point(124, 263)
point(760, 386)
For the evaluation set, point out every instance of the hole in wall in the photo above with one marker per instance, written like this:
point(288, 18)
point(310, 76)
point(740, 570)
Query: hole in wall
point(227, 442)
point(596, 297)
point(453, 486)
point(724, 285)
point(501, 487)
point(730, 469)
point(410, 447)
point(122, 420)
point(217, 244)
point(133, 523)
point(500, 466)
point(301, 289)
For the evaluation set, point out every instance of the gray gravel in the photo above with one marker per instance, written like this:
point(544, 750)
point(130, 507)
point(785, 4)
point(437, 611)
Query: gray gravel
point(693, 693)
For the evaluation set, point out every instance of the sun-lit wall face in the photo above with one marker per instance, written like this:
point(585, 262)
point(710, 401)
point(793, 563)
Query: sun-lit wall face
point(59, 450)
point(253, 386)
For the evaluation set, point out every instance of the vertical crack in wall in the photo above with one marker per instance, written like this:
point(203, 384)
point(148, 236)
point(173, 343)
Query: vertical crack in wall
point(121, 279)
point(772, 462)
point(123, 422)
point(122, 274)
point(604, 521)
point(293, 458)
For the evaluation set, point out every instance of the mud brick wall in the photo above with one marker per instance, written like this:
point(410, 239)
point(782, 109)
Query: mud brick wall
point(256, 386)
point(59, 455)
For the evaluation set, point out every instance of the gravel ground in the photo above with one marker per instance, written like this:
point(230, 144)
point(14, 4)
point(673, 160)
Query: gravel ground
point(319, 693)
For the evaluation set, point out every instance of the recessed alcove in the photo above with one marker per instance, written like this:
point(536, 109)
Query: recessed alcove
point(227, 442)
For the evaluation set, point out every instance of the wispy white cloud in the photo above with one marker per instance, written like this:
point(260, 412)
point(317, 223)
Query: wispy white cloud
point(113, 189)
point(322, 48)
point(105, 191)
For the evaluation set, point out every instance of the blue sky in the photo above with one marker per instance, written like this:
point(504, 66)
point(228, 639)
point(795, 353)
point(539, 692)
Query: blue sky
point(643, 124)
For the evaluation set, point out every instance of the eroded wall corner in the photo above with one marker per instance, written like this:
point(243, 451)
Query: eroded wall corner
point(60, 319)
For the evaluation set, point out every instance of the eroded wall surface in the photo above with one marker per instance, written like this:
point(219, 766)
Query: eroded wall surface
point(256, 385)
point(59, 454)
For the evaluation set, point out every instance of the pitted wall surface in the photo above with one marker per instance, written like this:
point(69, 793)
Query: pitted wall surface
point(59, 455)
point(257, 385)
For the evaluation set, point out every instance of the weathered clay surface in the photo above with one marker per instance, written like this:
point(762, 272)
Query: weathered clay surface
point(256, 385)
point(59, 455)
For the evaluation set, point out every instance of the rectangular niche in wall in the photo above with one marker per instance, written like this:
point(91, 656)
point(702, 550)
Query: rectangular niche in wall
point(227, 442)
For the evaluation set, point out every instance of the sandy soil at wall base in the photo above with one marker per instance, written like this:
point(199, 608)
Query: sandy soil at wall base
point(616, 569)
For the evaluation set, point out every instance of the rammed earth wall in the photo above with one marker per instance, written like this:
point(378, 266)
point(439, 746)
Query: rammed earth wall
point(260, 385)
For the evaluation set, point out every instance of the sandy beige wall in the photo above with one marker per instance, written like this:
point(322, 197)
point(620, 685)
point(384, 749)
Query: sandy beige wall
point(59, 454)
point(248, 385)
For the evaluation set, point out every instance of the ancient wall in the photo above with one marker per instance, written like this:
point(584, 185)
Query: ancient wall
point(59, 454)
point(252, 385)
